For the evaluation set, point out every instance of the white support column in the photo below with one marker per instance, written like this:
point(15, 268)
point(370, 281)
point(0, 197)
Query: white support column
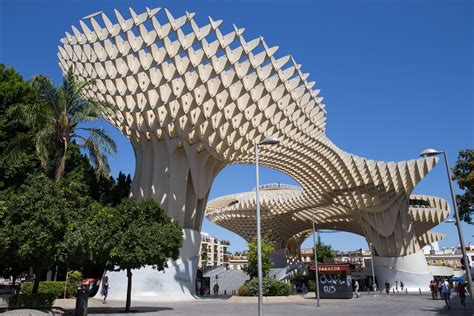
point(179, 179)
point(412, 270)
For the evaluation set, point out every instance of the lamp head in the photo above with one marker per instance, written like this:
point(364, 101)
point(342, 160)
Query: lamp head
point(269, 141)
point(430, 152)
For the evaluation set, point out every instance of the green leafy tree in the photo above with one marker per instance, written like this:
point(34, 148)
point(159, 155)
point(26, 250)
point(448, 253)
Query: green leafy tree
point(325, 252)
point(15, 95)
point(128, 236)
point(58, 116)
point(33, 222)
point(101, 188)
point(121, 188)
point(267, 250)
point(144, 235)
point(88, 241)
point(464, 175)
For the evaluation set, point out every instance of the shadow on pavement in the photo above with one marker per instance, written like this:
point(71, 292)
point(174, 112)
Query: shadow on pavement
point(120, 310)
point(456, 307)
point(214, 297)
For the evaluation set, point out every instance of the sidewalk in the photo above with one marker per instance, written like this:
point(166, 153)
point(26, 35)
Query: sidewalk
point(396, 305)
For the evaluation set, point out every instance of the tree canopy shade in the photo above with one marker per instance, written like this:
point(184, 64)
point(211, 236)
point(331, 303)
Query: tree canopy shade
point(33, 222)
point(464, 175)
point(267, 250)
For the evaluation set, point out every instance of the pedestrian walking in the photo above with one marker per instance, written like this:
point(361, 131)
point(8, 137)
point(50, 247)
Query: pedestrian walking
point(396, 286)
point(356, 289)
point(105, 288)
point(402, 286)
point(433, 289)
point(461, 290)
point(446, 292)
point(387, 287)
point(216, 289)
point(440, 287)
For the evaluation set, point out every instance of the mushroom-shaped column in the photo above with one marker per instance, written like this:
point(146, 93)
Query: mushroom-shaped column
point(396, 258)
point(237, 213)
point(191, 99)
point(398, 241)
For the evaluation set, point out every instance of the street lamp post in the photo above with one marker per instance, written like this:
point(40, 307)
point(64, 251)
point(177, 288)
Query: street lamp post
point(316, 284)
point(266, 141)
point(372, 264)
point(433, 152)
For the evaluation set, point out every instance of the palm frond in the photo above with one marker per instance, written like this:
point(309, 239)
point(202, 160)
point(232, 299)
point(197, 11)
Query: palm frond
point(105, 166)
point(100, 137)
point(38, 115)
point(42, 143)
point(95, 156)
point(84, 111)
point(48, 93)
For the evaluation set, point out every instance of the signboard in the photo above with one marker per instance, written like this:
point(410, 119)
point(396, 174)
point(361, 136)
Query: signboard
point(335, 280)
point(331, 268)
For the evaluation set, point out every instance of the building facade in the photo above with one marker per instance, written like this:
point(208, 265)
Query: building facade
point(213, 252)
point(448, 257)
point(238, 261)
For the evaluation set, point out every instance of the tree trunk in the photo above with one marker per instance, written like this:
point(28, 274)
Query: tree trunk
point(37, 272)
point(59, 172)
point(129, 290)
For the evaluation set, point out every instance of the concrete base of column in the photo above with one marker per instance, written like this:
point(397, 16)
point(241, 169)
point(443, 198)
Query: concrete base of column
point(175, 283)
point(412, 270)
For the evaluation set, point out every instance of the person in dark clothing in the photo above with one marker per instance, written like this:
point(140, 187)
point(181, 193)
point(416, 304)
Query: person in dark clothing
point(461, 290)
point(387, 287)
point(105, 288)
point(433, 289)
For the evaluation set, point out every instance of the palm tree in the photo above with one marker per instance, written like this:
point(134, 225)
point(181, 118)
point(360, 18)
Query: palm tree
point(58, 116)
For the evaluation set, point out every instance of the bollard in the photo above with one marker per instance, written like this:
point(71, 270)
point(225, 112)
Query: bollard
point(81, 302)
point(419, 290)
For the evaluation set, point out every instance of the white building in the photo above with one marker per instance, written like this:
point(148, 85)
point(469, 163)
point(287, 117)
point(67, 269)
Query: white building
point(213, 252)
point(447, 260)
point(238, 262)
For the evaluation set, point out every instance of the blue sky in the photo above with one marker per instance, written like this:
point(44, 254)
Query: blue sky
point(397, 76)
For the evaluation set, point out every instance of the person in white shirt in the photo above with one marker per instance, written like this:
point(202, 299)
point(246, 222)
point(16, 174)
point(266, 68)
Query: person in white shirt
point(446, 292)
point(357, 289)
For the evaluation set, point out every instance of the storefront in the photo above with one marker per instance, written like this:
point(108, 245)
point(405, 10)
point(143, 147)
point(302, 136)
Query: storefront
point(335, 280)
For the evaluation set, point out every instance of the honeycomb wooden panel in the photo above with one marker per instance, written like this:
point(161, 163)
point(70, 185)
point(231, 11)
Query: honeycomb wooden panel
point(193, 99)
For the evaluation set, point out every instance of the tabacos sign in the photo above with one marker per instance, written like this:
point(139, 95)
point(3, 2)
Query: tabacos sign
point(332, 268)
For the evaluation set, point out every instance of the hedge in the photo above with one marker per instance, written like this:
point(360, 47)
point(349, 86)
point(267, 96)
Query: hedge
point(270, 287)
point(33, 301)
point(243, 291)
point(55, 288)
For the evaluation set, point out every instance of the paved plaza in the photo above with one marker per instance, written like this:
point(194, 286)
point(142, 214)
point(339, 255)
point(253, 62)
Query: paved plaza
point(294, 305)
